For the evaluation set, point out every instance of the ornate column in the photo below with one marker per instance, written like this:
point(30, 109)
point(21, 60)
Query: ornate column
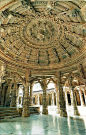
point(71, 97)
point(61, 97)
point(74, 103)
point(0, 93)
point(66, 96)
point(44, 87)
point(48, 99)
point(38, 99)
point(85, 94)
point(17, 97)
point(58, 107)
point(41, 99)
point(53, 98)
point(76, 112)
point(31, 94)
point(81, 99)
point(7, 102)
point(57, 97)
point(13, 100)
point(2, 96)
point(26, 100)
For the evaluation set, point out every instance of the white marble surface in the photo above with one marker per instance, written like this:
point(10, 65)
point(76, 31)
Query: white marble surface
point(43, 125)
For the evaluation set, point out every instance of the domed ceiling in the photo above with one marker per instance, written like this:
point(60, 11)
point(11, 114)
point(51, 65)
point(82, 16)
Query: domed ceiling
point(39, 34)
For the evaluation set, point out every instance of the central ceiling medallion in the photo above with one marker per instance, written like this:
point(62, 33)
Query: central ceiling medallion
point(41, 32)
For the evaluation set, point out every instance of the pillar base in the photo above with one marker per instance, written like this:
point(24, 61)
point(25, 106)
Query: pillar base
point(13, 105)
point(76, 112)
point(45, 111)
point(58, 110)
point(63, 113)
point(26, 111)
point(26, 114)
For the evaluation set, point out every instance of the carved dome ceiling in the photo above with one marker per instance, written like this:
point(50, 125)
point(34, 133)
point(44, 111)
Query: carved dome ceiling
point(39, 34)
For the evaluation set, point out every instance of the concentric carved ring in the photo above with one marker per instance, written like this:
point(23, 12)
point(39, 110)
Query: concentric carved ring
point(41, 33)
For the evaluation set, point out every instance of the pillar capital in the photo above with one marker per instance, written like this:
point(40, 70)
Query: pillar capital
point(9, 81)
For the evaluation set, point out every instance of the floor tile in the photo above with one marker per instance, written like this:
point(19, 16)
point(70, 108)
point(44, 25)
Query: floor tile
point(43, 125)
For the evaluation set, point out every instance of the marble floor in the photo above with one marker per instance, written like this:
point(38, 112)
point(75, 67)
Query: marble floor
point(43, 125)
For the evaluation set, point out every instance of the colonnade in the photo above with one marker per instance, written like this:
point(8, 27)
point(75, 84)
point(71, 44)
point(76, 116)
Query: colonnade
point(52, 98)
point(61, 97)
point(9, 93)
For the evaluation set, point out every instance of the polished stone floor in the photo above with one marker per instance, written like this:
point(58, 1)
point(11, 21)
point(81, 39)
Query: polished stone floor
point(43, 125)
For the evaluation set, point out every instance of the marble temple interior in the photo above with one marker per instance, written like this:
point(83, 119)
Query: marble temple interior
point(43, 67)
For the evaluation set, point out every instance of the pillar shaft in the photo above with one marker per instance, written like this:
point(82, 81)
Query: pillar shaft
point(0, 93)
point(85, 95)
point(45, 110)
point(38, 100)
point(53, 99)
point(26, 102)
point(31, 95)
point(44, 87)
point(35, 99)
point(2, 96)
point(17, 97)
point(13, 100)
point(57, 98)
point(58, 107)
point(8, 98)
point(66, 98)
point(76, 112)
point(81, 98)
point(71, 98)
point(62, 103)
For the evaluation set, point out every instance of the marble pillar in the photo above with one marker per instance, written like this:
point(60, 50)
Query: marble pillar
point(17, 97)
point(45, 109)
point(8, 98)
point(76, 112)
point(58, 107)
point(74, 102)
point(31, 95)
point(62, 103)
point(85, 94)
point(81, 98)
point(57, 97)
point(66, 97)
point(38, 100)
point(71, 97)
point(35, 99)
point(26, 102)
point(2, 97)
point(0, 93)
point(44, 87)
point(53, 99)
point(13, 99)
